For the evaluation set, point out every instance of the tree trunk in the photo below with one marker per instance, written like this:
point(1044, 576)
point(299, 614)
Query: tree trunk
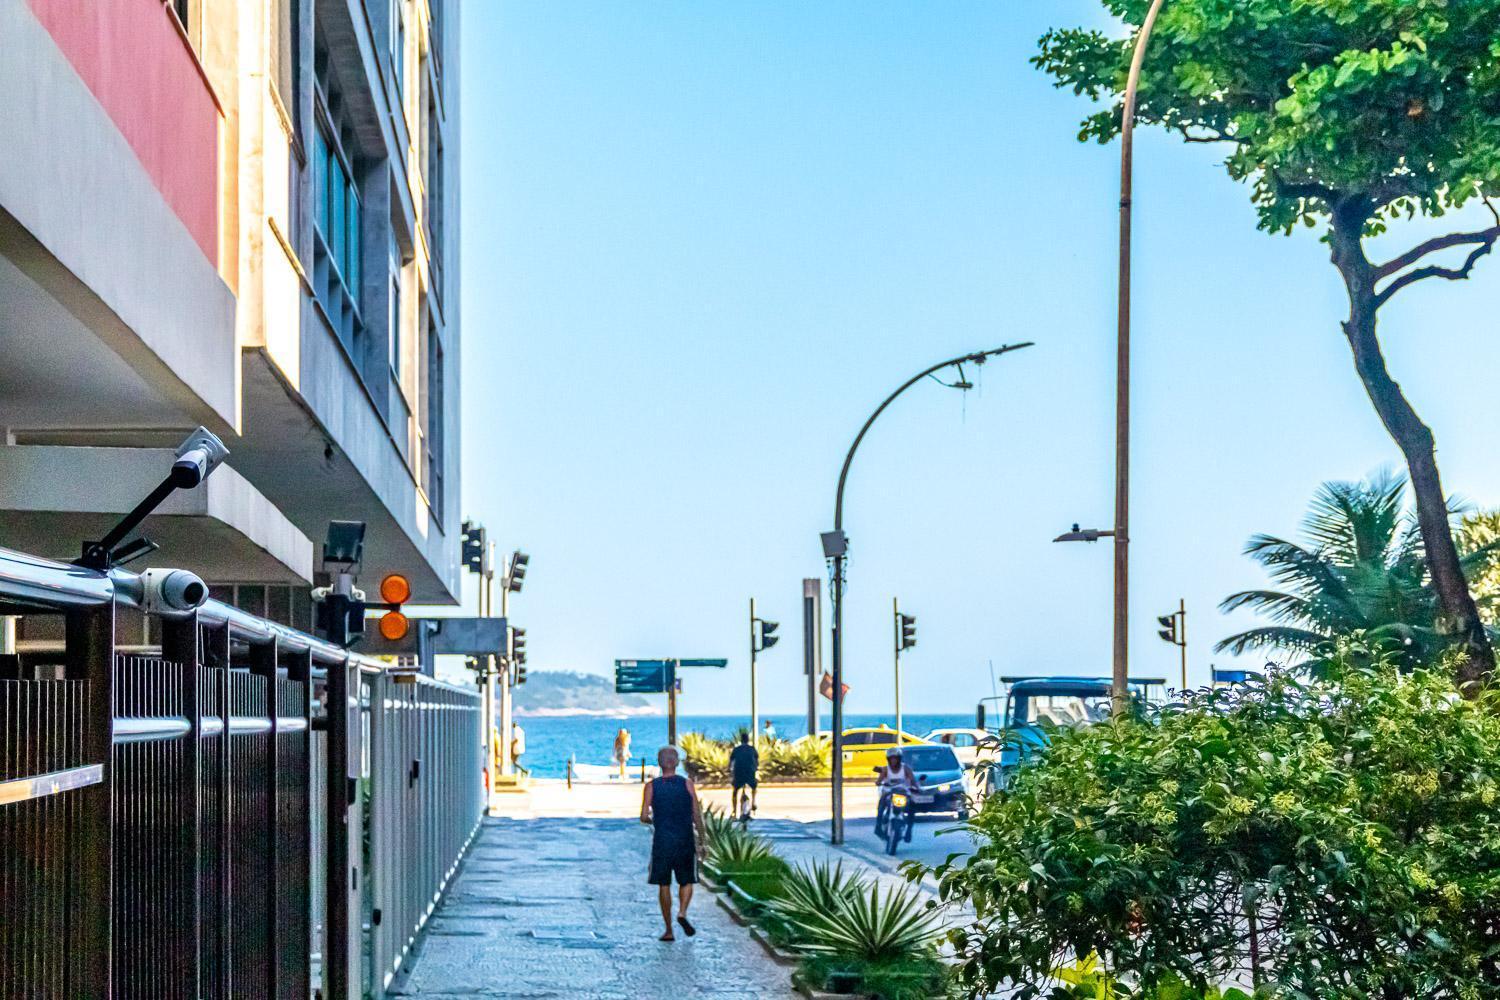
point(1458, 615)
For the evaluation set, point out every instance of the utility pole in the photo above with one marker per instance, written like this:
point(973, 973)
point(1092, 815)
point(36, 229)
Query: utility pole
point(905, 632)
point(836, 551)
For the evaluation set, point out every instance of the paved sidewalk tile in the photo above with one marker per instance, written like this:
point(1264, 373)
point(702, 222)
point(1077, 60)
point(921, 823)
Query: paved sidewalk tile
point(560, 908)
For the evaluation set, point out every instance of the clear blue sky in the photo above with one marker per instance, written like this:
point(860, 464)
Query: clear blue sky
point(702, 241)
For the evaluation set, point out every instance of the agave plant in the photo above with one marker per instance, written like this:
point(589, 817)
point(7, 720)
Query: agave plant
point(733, 849)
point(817, 888)
point(786, 759)
point(716, 826)
point(869, 927)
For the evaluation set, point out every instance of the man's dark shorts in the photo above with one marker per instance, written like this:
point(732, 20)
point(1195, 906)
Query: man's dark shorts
point(681, 864)
point(741, 781)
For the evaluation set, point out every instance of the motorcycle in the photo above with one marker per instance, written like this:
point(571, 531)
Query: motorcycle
point(897, 819)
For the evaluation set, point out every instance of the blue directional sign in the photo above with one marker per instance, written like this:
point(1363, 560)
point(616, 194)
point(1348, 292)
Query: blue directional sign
point(644, 676)
point(703, 663)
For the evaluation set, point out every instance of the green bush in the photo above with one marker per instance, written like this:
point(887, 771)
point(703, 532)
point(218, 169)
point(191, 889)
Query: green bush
point(707, 759)
point(1350, 822)
point(909, 977)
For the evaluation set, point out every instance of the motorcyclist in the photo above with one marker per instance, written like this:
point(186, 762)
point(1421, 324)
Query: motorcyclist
point(896, 776)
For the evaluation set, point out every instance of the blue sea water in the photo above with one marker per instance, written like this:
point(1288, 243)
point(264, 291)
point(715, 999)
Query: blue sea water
point(590, 739)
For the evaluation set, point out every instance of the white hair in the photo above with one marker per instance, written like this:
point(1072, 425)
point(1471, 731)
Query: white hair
point(669, 749)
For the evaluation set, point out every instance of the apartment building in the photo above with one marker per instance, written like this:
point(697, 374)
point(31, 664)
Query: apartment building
point(241, 214)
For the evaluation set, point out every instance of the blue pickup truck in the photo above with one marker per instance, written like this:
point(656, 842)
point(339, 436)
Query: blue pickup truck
point(1020, 717)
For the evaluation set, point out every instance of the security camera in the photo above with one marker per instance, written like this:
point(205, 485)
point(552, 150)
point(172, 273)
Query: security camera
point(198, 456)
point(172, 591)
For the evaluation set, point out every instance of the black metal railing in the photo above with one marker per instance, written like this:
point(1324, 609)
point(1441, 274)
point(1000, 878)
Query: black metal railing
point(190, 823)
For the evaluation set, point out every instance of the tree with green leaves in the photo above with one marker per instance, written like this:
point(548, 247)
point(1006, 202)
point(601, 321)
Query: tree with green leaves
point(1344, 114)
point(1361, 571)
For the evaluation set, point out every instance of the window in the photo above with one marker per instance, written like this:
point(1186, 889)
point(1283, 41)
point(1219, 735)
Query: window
point(393, 321)
point(434, 187)
point(284, 18)
point(338, 219)
point(434, 415)
point(856, 739)
point(398, 44)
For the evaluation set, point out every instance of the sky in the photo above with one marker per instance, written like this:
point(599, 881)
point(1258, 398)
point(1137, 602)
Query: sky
point(702, 242)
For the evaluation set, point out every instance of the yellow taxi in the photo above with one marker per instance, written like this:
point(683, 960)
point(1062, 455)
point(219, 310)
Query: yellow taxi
point(864, 749)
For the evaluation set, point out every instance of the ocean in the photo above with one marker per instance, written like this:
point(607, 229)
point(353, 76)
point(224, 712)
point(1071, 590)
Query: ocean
point(590, 739)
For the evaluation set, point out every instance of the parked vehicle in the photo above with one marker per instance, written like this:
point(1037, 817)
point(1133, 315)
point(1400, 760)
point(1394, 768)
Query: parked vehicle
point(1031, 706)
point(970, 745)
point(865, 748)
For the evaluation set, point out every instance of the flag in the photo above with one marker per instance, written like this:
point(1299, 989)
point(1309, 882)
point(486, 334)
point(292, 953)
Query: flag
point(825, 687)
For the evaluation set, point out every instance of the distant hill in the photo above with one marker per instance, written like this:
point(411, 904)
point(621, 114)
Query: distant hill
point(566, 692)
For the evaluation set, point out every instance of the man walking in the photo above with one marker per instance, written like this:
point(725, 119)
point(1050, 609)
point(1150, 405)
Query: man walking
point(670, 806)
point(744, 765)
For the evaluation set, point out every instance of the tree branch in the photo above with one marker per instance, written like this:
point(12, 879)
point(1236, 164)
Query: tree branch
point(1484, 237)
point(1483, 243)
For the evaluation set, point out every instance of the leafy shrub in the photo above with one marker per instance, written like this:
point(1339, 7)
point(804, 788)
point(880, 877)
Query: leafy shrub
point(707, 759)
point(919, 977)
point(1349, 826)
point(800, 759)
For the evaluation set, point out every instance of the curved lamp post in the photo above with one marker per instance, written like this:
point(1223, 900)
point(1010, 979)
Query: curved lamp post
point(1120, 685)
point(835, 547)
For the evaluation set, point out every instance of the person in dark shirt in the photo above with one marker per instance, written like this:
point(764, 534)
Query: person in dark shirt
point(670, 806)
point(744, 762)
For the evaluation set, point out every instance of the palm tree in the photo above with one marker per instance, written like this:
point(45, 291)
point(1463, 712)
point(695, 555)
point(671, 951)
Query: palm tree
point(1364, 570)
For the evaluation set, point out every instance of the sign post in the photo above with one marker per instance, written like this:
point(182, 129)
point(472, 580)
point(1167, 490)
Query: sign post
point(658, 677)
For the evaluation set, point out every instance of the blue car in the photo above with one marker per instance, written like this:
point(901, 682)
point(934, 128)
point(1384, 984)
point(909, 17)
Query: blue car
point(1031, 706)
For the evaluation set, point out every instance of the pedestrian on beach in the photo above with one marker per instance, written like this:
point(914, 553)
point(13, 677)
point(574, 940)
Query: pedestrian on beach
point(770, 732)
point(622, 749)
point(744, 778)
point(670, 807)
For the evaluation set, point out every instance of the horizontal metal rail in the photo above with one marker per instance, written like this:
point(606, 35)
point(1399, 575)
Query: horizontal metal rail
point(42, 785)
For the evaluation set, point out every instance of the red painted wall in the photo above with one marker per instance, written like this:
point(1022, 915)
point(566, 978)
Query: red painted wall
point(131, 56)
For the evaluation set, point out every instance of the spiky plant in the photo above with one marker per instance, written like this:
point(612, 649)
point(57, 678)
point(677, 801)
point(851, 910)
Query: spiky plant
point(733, 849)
point(869, 926)
point(1363, 571)
point(817, 888)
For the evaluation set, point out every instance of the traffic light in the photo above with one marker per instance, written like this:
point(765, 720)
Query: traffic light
point(1168, 630)
point(768, 636)
point(517, 645)
point(517, 574)
point(473, 540)
point(908, 631)
point(395, 590)
point(521, 674)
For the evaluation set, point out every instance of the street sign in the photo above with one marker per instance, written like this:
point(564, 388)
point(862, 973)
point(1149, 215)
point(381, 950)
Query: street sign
point(703, 663)
point(644, 676)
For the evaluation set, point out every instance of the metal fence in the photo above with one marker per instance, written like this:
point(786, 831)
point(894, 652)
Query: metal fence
point(189, 821)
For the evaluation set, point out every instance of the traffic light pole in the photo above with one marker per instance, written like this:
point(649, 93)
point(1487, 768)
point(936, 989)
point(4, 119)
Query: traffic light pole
point(754, 705)
point(487, 580)
point(507, 764)
point(896, 645)
point(837, 559)
point(1182, 637)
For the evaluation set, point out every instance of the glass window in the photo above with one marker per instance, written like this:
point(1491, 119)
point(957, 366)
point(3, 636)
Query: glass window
point(882, 739)
point(856, 739)
point(1068, 709)
point(393, 321)
point(931, 758)
point(336, 199)
point(398, 43)
point(320, 178)
point(351, 244)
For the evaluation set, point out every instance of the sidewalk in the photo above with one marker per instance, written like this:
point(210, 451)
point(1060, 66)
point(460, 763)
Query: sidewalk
point(556, 906)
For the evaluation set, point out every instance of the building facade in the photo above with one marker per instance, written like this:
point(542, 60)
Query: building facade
point(241, 214)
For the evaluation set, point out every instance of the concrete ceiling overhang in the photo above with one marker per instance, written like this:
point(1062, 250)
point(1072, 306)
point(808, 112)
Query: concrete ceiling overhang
point(285, 450)
point(53, 499)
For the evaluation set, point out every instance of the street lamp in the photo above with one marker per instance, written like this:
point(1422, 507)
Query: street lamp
point(1121, 533)
point(836, 550)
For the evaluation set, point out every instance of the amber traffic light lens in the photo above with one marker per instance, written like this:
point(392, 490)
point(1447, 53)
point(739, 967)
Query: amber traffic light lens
point(394, 625)
point(394, 589)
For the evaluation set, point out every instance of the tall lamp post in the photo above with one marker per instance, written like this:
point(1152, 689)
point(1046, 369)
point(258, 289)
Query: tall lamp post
point(835, 550)
point(1120, 685)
